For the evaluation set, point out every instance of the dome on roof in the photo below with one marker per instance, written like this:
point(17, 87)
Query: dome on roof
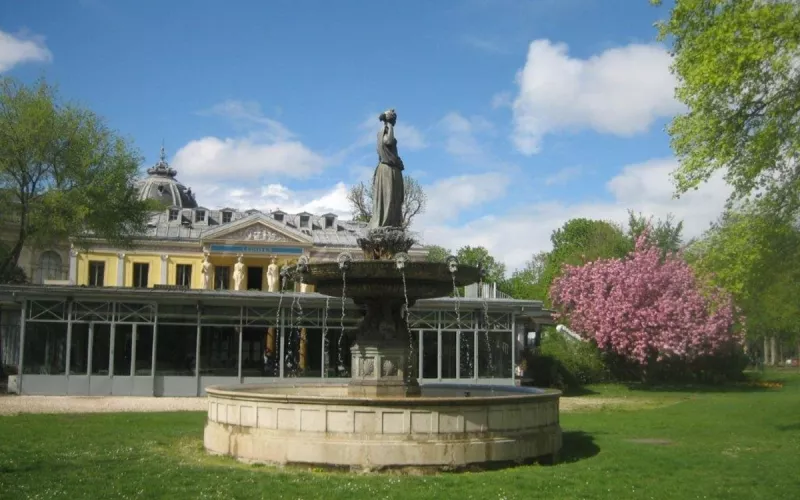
point(161, 185)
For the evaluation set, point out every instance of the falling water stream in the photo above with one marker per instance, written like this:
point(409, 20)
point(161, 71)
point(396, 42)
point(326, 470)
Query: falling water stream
point(344, 261)
point(325, 343)
point(464, 351)
point(278, 329)
point(400, 261)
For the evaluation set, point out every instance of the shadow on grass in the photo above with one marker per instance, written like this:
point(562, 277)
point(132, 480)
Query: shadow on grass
point(788, 428)
point(751, 384)
point(576, 446)
point(578, 391)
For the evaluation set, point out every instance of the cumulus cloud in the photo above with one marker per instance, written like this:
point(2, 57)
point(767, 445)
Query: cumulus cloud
point(245, 159)
point(514, 236)
point(409, 137)
point(20, 49)
point(267, 149)
point(461, 135)
point(448, 197)
point(621, 91)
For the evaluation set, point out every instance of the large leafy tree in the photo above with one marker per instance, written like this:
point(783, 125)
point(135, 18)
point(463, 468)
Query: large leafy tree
point(738, 69)
point(647, 308)
point(63, 173)
point(755, 254)
point(474, 256)
point(414, 201)
point(665, 234)
point(437, 253)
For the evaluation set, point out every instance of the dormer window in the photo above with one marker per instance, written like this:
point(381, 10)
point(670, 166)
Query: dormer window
point(199, 215)
point(304, 220)
point(278, 216)
point(329, 221)
point(226, 217)
point(173, 214)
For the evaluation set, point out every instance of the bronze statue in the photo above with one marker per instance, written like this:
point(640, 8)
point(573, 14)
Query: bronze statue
point(387, 183)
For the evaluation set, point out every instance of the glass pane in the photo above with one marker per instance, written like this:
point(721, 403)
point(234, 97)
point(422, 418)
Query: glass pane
point(175, 352)
point(144, 350)
point(254, 345)
point(218, 348)
point(123, 343)
point(100, 348)
point(467, 355)
point(449, 354)
point(45, 349)
point(338, 352)
point(430, 354)
point(79, 349)
point(494, 355)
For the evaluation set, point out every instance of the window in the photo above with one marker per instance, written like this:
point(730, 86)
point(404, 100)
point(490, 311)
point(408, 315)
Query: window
point(141, 270)
point(304, 220)
point(222, 278)
point(49, 267)
point(199, 215)
point(97, 272)
point(183, 275)
point(173, 214)
point(278, 217)
point(329, 222)
point(226, 217)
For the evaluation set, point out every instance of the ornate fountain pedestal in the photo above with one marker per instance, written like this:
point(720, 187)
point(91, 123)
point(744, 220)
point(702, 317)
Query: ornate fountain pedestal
point(381, 370)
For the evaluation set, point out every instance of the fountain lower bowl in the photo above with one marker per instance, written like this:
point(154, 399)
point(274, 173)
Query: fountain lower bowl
point(382, 278)
point(448, 427)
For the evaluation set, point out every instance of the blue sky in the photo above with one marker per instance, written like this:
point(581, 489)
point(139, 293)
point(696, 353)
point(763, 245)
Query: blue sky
point(515, 115)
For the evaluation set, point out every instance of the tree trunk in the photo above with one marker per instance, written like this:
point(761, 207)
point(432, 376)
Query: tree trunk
point(772, 348)
point(766, 350)
point(9, 262)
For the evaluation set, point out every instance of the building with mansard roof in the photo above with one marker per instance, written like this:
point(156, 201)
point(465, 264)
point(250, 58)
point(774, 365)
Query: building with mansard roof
point(170, 317)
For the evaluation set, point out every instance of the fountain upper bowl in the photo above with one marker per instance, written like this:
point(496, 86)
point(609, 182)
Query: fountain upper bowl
point(382, 279)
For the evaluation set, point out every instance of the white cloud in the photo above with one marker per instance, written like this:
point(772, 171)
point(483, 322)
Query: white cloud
point(461, 135)
point(563, 176)
point(245, 159)
point(620, 91)
point(516, 235)
point(273, 196)
point(248, 113)
point(20, 49)
point(448, 197)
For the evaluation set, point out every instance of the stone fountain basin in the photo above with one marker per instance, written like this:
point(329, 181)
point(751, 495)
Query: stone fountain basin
point(443, 429)
point(381, 278)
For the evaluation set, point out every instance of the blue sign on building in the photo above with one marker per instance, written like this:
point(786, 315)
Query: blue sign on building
point(219, 247)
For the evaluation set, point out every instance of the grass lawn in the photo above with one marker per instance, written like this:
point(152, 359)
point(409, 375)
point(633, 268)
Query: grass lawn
point(739, 442)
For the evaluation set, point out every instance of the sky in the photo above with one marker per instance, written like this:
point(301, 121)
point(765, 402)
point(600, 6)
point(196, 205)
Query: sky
point(514, 115)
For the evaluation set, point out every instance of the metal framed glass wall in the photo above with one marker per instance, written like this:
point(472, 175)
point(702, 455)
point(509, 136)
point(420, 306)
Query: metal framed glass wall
point(178, 349)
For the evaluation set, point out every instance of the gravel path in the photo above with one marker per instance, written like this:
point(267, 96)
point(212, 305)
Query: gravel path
point(12, 405)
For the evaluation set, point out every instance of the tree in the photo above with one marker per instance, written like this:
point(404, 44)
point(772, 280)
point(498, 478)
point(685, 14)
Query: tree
point(647, 309)
point(474, 256)
point(66, 174)
point(738, 75)
point(755, 255)
point(437, 253)
point(527, 283)
point(666, 234)
point(414, 201)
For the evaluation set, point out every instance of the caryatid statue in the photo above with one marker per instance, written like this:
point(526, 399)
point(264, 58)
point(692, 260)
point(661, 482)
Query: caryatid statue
point(238, 274)
point(273, 277)
point(387, 183)
point(206, 269)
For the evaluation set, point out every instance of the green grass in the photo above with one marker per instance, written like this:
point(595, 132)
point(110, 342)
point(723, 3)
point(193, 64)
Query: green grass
point(738, 442)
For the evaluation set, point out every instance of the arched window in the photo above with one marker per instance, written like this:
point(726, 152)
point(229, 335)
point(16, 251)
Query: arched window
point(50, 267)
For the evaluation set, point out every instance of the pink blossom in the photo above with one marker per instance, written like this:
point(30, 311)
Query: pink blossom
point(646, 307)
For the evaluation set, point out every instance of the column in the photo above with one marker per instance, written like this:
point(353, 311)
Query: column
point(120, 269)
point(164, 267)
point(73, 265)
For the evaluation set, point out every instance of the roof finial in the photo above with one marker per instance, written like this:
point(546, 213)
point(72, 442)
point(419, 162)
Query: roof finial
point(163, 153)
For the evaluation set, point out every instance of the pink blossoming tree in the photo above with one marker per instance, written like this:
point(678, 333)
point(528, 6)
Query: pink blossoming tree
point(647, 308)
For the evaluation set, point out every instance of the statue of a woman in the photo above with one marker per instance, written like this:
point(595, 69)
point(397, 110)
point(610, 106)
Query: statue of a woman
point(387, 183)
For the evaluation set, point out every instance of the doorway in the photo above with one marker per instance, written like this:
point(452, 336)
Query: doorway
point(255, 277)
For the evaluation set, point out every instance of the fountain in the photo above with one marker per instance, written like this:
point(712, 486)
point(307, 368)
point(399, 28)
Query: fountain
point(383, 418)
